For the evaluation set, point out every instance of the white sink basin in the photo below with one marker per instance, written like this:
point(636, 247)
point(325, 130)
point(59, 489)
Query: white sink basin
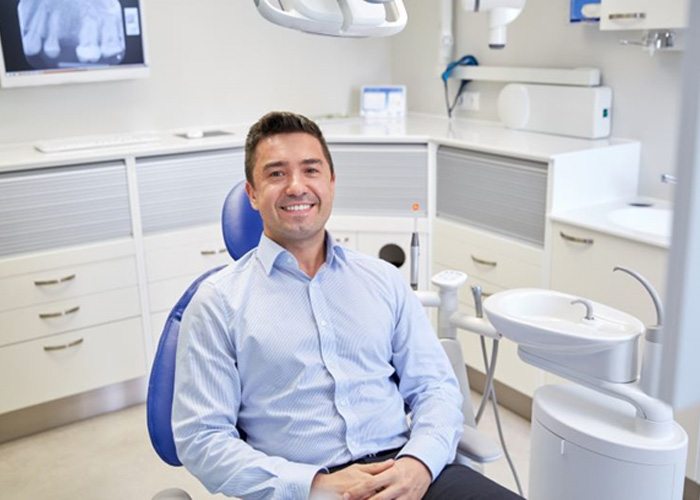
point(649, 220)
point(546, 320)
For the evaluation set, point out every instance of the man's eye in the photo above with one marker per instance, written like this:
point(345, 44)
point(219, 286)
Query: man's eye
point(276, 173)
point(312, 170)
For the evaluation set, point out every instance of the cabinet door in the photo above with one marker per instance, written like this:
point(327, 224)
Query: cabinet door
point(59, 207)
point(582, 264)
point(178, 191)
point(503, 195)
point(381, 179)
point(643, 14)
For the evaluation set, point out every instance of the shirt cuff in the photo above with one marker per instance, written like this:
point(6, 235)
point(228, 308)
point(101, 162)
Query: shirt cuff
point(298, 478)
point(430, 451)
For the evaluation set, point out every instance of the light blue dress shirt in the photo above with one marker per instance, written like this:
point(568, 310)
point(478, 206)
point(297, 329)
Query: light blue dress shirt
point(311, 372)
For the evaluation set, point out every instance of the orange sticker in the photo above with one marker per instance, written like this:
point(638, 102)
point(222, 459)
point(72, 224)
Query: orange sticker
point(415, 207)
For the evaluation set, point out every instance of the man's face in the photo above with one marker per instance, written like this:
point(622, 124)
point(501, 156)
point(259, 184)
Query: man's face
point(293, 188)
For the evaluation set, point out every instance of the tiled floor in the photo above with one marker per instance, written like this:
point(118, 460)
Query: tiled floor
point(110, 457)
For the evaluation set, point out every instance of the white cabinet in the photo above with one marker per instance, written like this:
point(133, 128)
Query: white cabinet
point(643, 14)
point(69, 290)
point(582, 263)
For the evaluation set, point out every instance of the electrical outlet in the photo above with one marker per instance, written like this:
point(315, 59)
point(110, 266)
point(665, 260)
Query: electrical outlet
point(469, 101)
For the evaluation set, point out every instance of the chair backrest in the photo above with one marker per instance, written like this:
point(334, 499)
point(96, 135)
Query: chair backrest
point(242, 227)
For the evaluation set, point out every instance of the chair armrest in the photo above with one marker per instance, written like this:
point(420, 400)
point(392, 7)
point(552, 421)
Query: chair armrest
point(478, 447)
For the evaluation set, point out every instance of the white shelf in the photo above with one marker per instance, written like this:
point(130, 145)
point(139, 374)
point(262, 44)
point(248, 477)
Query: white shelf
point(587, 77)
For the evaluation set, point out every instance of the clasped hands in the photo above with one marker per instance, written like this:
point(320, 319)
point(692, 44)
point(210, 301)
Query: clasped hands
point(405, 478)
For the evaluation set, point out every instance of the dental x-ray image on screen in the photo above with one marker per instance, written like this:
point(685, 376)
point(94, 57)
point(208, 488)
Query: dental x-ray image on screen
point(57, 37)
point(69, 32)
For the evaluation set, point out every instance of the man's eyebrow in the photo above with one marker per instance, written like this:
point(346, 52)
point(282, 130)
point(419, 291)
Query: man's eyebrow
point(311, 161)
point(274, 164)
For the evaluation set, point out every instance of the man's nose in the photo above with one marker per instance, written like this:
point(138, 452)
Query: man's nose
point(296, 185)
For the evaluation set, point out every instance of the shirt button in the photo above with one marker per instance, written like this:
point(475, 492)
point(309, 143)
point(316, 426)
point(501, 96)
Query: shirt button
point(323, 322)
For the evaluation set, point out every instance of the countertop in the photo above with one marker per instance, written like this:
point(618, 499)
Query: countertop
point(598, 218)
point(491, 137)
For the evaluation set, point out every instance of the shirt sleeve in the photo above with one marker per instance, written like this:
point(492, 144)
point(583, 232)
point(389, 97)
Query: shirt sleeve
point(427, 384)
point(206, 399)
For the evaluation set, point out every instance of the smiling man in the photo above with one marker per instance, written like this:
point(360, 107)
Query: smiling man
point(297, 364)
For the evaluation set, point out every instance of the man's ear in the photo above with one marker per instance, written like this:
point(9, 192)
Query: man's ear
point(250, 190)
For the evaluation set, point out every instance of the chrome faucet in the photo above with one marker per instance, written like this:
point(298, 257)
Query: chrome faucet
point(668, 179)
point(588, 305)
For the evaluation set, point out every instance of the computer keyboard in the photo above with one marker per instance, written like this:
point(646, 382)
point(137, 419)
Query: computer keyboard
point(94, 142)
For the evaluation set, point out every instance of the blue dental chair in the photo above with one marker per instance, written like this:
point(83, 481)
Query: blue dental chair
point(242, 227)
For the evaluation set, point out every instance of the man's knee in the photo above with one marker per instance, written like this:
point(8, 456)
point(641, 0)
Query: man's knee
point(458, 482)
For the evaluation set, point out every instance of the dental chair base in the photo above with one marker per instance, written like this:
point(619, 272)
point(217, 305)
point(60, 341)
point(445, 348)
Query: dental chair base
point(586, 445)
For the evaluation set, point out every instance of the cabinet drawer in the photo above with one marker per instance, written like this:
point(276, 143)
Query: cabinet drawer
point(66, 282)
point(99, 356)
point(487, 257)
point(28, 323)
point(582, 264)
point(163, 294)
point(184, 253)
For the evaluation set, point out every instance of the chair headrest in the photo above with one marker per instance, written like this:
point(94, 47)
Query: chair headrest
point(240, 222)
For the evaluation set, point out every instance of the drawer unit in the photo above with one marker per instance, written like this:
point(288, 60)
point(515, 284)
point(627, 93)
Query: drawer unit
point(384, 180)
point(61, 283)
point(41, 320)
point(178, 191)
point(500, 194)
point(487, 257)
point(67, 364)
point(52, 208)
point(184, 253)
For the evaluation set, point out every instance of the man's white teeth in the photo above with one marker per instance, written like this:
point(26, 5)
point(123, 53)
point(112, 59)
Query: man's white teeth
point(297, 208)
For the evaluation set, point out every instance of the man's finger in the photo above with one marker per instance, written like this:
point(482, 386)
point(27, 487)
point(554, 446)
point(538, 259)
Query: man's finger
point(373, 485)
point(377, 467)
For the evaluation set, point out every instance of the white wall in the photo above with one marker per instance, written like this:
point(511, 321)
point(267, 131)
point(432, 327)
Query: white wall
point(213, 62)
point(646, 90)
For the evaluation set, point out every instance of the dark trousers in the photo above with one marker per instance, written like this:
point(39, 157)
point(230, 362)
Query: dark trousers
point(455, 482)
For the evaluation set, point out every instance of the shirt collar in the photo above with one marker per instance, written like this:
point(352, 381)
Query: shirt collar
point(269, 252)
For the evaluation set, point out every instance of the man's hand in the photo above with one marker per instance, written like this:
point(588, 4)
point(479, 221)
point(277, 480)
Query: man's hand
point(408, 479)
point(335, 484)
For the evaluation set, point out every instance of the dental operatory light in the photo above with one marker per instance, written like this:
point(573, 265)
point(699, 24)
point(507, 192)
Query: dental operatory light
point(501, 13)
point(345, 18)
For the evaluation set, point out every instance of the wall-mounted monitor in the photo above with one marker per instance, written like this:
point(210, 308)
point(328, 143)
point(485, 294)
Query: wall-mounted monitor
point(46, 42)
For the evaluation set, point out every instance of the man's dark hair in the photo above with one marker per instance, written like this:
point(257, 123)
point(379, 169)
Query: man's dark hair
point(280, 122)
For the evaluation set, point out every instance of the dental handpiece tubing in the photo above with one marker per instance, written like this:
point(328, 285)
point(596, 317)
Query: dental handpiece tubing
point(415, 252)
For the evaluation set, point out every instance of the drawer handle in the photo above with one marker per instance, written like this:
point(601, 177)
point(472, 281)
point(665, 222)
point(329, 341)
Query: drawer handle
point(627, 15)
point(486, 294)
point(58, 281)
point(58, 314)
point(63, 346)
point(585, 241)
point(208, 252)
point(222, 250)
point(491, 263)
